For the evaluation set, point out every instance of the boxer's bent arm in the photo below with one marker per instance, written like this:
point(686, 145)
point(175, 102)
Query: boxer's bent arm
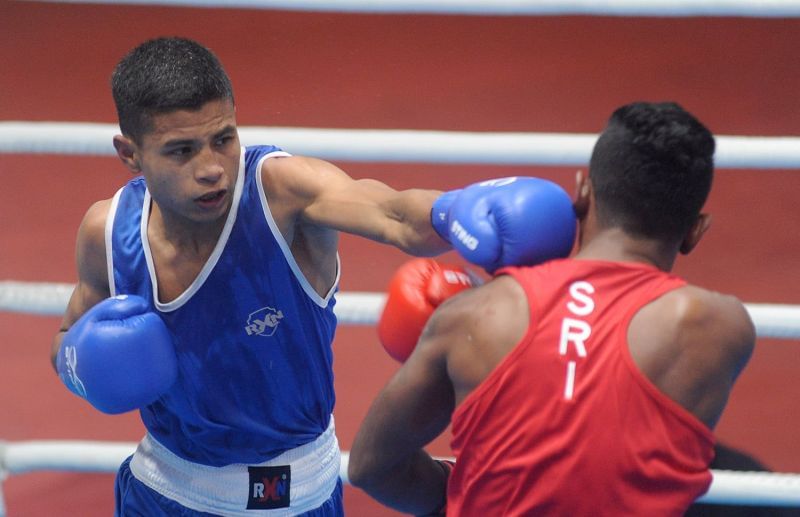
point(387, 459)
point(326, 196)
point(465, 338)
point(92, 286)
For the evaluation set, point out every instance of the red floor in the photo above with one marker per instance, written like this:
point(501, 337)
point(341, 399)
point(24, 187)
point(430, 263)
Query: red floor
point(415, 72)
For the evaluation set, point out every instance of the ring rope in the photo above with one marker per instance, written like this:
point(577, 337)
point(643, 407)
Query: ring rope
point(753, 8)
point(399, 146)
point(727, 487)
point(354, 308)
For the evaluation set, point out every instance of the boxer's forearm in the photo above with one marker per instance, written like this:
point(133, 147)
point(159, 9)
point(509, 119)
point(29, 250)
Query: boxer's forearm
point(416, 485)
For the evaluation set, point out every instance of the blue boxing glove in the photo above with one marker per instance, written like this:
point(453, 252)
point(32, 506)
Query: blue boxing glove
point(507, 222)
point(440, 212)
point(119, 356)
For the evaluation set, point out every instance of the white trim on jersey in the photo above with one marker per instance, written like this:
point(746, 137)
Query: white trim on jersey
point(208, 267)
point(109, 233)
point(287, 252)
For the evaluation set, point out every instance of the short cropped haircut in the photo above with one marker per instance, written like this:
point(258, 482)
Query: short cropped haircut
point(651, 170)
point(163, 75)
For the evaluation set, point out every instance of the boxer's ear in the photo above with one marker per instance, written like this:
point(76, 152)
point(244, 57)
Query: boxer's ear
point(696, 232)
point(583, 194)
point(128, 153)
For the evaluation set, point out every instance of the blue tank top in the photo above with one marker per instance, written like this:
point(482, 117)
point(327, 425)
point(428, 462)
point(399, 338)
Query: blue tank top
point(252, 337)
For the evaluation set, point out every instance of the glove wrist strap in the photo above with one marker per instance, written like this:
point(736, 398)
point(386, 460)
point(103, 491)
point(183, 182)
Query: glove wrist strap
point(440, 213)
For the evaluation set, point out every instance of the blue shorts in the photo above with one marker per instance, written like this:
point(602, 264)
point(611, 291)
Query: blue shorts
point(134, 499)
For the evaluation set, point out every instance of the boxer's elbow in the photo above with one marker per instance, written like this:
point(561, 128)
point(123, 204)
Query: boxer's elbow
point(356, 471)
point(362, 469)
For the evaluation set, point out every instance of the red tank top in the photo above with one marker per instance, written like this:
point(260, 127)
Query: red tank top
point(566, 424)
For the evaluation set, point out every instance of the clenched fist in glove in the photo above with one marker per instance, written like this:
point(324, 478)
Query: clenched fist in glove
point(416, 289)
point(515, 221)
point(119, 356)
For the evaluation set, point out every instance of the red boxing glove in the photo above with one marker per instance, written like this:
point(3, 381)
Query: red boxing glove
point(416, 289)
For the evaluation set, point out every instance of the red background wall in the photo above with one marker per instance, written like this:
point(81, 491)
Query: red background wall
point(390, 71)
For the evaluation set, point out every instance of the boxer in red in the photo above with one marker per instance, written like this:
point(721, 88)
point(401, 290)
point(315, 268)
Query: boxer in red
point(581, 386)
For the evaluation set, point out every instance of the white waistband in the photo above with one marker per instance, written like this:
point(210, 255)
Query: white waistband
point(226, 490)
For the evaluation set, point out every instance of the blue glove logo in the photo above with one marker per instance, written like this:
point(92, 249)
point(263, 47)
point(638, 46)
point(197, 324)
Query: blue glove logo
point(463, 236)
point(73, 381)
point(498, 182)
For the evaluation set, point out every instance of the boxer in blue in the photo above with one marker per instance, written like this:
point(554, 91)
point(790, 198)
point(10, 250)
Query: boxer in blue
point(206, 290)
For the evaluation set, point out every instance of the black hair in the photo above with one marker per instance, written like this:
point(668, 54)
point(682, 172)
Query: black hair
point(651, 170)
point(163, 75)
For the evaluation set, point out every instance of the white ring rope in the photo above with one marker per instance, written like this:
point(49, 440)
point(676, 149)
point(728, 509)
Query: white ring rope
point(50, 299)
point(753, 8)
point(355, 308)
point(388, 145)
point(727, 487)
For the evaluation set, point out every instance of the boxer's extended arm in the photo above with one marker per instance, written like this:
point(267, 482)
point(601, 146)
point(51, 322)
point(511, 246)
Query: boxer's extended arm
point(320, 194)
point(507, 221)
point(92, 286)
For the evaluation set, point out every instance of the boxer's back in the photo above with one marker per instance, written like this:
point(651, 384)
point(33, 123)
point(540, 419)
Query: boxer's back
point(568, 413)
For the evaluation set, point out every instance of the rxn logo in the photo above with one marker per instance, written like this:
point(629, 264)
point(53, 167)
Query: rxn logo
point(269, 487)
point(263, 322)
